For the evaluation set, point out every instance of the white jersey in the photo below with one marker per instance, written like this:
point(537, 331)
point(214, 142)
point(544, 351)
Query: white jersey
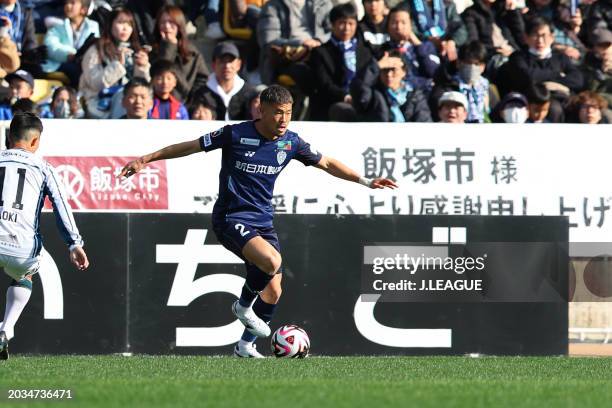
point(25, 181)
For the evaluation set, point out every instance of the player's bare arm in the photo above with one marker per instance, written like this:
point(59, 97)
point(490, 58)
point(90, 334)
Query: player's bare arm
point(338, 169)
point(169, 152)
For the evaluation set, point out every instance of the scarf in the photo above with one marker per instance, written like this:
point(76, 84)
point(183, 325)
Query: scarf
point(398, 98)
point(349, 53)
point(431, 25)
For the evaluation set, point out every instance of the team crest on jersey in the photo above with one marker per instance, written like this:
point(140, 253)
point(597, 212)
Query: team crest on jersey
point(281, 156)
point(283, 145)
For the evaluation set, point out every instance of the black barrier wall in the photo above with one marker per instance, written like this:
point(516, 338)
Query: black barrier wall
point(161, 283)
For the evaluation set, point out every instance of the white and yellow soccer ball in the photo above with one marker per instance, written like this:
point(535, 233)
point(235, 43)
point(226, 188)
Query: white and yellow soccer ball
point(290, 341)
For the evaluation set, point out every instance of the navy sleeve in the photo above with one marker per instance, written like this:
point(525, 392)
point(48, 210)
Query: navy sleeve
point(305, 154)
point(217, 139)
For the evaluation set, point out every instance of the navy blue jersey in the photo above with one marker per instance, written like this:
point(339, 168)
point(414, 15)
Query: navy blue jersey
point(249, 168)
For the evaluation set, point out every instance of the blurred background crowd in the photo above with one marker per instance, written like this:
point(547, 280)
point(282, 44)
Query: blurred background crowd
point(459, 61)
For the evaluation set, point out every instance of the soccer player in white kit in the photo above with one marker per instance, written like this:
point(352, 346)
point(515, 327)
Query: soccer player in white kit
point(25, 181)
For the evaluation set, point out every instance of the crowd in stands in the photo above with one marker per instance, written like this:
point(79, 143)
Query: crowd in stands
point(455, 61)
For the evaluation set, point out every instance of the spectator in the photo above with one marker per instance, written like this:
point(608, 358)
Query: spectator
point(599, 15)
point(254, 103)
point(46, 10)
point(21, 84)
point(540, 64)
point(225, 86)
point(166, 106)
point(336, 63)
point(466, 77)
point(541, 8)
point(172, 44)
point(588, 107)
point(567, 28)
point(498, 25)
point(597, 67)
point(538, 104)
point(19, 19)
point(382, 93)
point(144, 15)
point(287, 31)
point(23, 106)
point(373, 25)
point(213, 25)
point(511, 109)
point(9, 57)
point(452, 107)
point(64, 40)
point(64, 105)
point(115, 60)
point(421, 57)
point(137, 99)
point(202, 109)
point(439, 22)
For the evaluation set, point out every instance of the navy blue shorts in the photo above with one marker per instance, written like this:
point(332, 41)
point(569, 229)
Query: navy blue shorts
point(234, 235)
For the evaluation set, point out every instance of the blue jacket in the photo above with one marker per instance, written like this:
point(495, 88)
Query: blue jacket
point(6, 113)
point(60, 43)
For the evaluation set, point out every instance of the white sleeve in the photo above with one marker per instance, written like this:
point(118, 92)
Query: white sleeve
point(63, 214)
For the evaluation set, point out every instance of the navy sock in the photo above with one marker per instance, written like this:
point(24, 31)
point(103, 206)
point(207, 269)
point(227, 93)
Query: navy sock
point(256, 281)
point(264, 311)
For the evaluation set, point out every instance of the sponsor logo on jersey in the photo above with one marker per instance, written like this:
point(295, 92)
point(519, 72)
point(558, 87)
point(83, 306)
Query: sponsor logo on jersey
point(249, 154)
point(258, 168)
point(207, 141)
point(249, 141)
point(281, 156)
point(283, 145)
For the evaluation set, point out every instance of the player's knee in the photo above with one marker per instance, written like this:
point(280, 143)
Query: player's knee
point(273, 295)
point(272, 263)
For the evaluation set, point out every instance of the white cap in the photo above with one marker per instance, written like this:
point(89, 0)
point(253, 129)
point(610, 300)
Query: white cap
point(453, 96)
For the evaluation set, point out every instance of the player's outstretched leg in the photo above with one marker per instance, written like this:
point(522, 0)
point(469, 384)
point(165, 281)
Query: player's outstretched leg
point(263, 263)
point(17, 296)
point(264, 307)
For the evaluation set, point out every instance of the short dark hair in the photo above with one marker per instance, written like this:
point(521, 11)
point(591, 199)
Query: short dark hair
point(345, 10)
point(538, 94)
point(473, 50)
point(22, 123)
point(275, 95)
point(162, 66)
point(136, 82)
point(24, 105)
point(398, 54)
point(536, 23)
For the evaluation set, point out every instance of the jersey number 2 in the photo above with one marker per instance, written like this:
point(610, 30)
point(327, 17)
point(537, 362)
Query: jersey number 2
point(21, 172)
point(240, 227)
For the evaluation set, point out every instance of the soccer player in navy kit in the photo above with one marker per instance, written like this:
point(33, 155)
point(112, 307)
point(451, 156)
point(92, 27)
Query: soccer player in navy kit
point(253, 155)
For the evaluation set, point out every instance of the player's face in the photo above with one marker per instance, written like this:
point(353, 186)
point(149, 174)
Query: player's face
point(275, 118)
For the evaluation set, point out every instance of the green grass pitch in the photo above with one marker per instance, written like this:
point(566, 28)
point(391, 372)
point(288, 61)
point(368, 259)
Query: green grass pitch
point(191, 381)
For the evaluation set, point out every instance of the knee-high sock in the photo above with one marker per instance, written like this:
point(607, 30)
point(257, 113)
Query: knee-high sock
point(256, 281)
point(265, 311)
point(17, 296)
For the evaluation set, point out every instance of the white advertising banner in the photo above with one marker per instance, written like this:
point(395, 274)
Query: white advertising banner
point(441, 169)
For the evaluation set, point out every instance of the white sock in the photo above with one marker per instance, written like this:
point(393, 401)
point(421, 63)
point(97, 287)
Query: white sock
point(16, 299)
point(244, 343)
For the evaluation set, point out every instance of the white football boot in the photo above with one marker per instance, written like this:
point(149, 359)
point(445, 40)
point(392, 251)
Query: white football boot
point(247, 351)
point(250, 320)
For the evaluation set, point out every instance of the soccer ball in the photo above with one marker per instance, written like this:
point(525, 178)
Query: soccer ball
point(290, 341)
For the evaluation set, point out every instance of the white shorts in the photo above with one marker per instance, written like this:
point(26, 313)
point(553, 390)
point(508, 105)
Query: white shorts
point(18, 268)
